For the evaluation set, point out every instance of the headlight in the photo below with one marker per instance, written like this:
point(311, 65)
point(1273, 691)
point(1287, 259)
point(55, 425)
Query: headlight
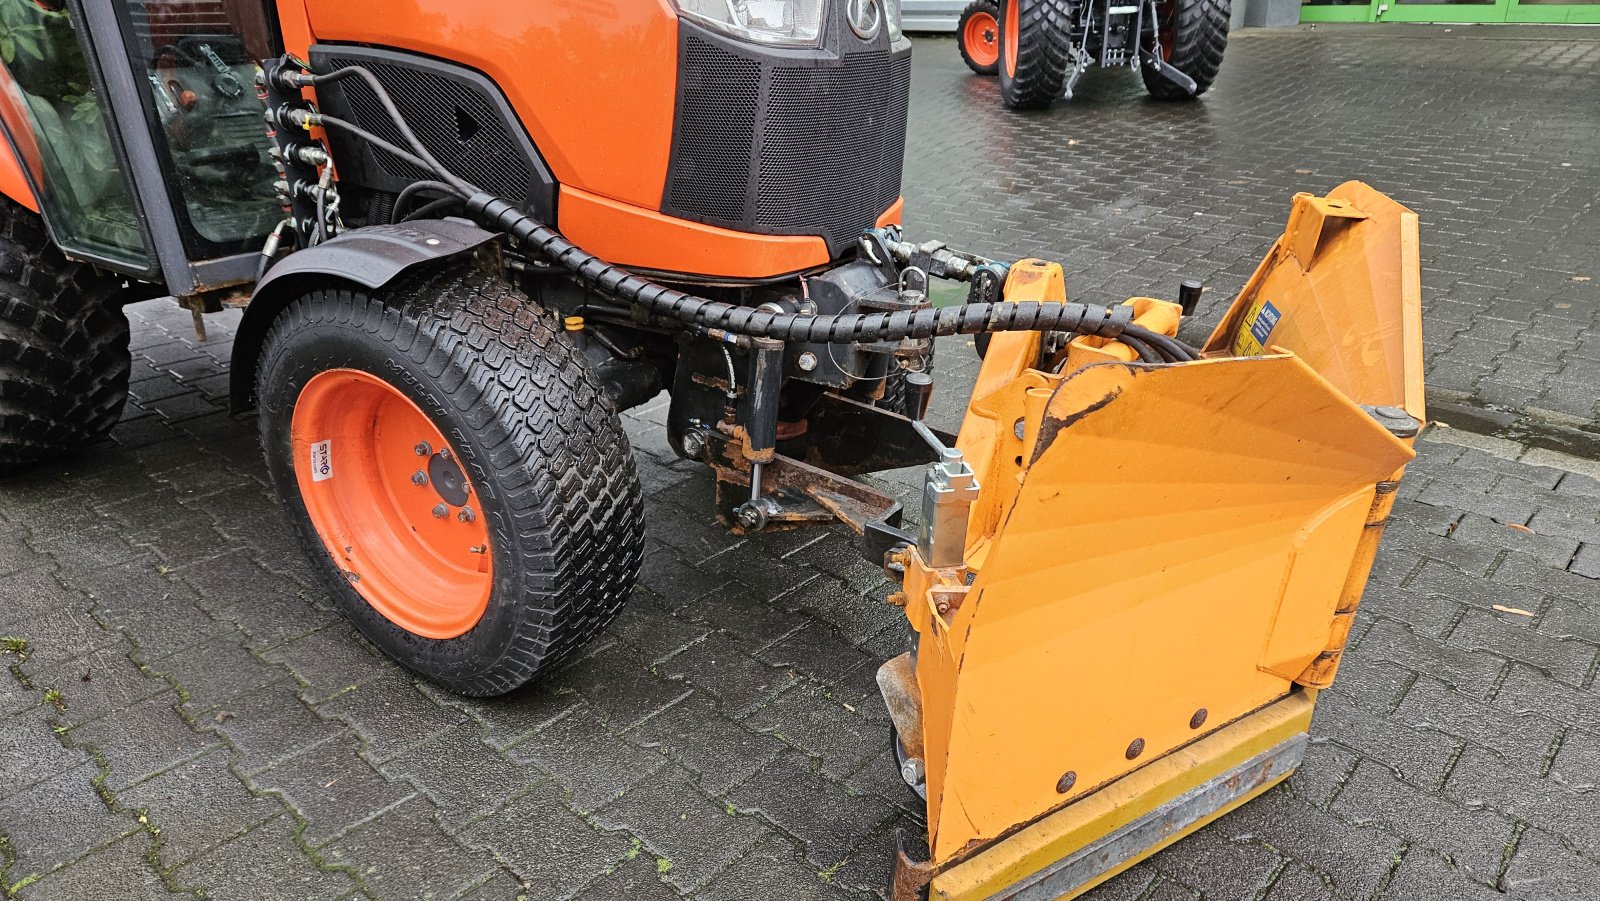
point(787, 22)
point(891, 18)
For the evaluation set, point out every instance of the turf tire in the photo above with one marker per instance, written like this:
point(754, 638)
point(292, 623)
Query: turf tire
point(64, 359)
point(1198, 33)
point(1037, 76)
point(990, 8)
point(552, 468)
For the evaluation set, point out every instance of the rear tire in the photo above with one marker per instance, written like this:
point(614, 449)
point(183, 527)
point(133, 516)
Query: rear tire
point(978, 36)
point(517, 411)
point(64, 359)
point(1194, 34)
point(1035, 36)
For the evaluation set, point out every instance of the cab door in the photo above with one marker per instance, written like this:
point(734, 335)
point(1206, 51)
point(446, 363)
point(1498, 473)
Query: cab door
point(138, 126)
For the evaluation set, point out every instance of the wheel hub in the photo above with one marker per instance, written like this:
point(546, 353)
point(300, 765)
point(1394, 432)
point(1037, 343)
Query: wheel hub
point(403, 536)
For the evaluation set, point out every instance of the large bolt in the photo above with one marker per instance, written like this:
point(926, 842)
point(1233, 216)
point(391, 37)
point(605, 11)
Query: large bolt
point(423, 449)
point(419, 478)
point(693, 444)
point(466, 515)
point(441, 511)
point(913, 771)
point(807, 361)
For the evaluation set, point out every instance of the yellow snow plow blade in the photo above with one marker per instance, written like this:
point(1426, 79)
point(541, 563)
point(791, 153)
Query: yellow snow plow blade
point(1133, 577)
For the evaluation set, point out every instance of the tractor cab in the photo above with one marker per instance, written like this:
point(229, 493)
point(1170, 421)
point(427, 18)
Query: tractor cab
point(136, 127)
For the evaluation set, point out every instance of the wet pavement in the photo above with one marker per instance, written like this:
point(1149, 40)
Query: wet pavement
point(186, 714)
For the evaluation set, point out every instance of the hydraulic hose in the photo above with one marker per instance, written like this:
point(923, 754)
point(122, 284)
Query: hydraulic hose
point(497, 214)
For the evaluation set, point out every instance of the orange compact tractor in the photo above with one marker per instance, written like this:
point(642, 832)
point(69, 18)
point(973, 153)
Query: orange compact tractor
point(467, 233)
point(1040, 48)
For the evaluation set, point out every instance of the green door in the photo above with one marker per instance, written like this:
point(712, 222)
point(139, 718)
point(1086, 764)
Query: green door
point(1547, 11)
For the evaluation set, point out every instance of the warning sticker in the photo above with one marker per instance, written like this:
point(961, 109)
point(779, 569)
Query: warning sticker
point(322, 461)
point(1259, 321)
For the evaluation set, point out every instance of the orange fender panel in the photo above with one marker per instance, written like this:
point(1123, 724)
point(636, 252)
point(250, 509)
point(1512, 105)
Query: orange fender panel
point(14, 181)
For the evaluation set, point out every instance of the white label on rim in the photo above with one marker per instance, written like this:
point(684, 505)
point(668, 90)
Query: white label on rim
point(322, 461)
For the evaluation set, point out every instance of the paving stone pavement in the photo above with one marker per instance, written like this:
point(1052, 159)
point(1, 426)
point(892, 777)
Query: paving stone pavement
point(186, 715)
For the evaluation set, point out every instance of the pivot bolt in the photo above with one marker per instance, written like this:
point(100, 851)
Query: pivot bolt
point(750, 517)
point(419, 478)
point(466, 515)
point(807, 361)
point(423, 449)
point(441, 511)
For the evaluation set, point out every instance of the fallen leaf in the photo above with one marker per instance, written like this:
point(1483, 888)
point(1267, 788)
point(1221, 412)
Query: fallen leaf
point(1583, 278)
point(223, 716)
point(1303, 172)
point(1520, 528)
point(1517, 610)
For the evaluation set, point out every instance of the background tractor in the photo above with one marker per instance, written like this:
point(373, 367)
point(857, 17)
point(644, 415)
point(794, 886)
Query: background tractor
point(1040, 48)
point(458, 263)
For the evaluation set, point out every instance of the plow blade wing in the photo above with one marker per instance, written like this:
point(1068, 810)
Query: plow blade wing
point(1163, 562)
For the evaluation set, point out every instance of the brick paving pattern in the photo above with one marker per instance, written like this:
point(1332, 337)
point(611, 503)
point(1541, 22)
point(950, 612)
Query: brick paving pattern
point(185, 715)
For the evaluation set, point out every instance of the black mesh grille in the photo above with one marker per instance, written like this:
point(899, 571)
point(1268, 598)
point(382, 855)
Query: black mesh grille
point(716, 128)
point(461, 124)
point(806, 148)
point(833, 145)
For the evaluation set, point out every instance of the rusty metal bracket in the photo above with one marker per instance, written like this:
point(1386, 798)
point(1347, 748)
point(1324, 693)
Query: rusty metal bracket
point(794, 493)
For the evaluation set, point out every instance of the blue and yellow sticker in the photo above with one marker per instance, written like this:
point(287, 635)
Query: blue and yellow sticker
point(1259, 321)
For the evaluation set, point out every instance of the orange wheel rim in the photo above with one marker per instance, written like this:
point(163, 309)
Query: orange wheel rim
point(982, 37)
point(392, 505)
point(1011, 39)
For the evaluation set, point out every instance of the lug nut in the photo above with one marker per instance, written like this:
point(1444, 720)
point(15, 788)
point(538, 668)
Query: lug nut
point(424, 449)
point(419, 478)
point(441, 511)
point(466, 515)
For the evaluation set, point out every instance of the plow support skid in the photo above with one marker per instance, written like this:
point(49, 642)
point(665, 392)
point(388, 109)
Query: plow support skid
point(1163, 561)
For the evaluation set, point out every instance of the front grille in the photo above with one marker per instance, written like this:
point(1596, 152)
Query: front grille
point(766, 147)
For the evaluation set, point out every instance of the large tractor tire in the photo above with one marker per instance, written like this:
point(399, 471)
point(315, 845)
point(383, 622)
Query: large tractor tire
point(978, 36)
point(64, 359)
point(1194, 33)
point(1035, 36)
point(455, 471)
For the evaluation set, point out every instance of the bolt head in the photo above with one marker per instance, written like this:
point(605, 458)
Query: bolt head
point(423, 449)
point(1199, 718)
point(466, 515)
point(913, 771)
point(693, 444)
point(1019, 428)
point(419, 478)
point(441, 511)
point(444, 453)
point(1065, 783)
point(807, 362)
point(1135, 748)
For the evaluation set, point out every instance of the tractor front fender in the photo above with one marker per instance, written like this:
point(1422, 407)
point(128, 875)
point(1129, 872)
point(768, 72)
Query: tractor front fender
point(366, 258)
